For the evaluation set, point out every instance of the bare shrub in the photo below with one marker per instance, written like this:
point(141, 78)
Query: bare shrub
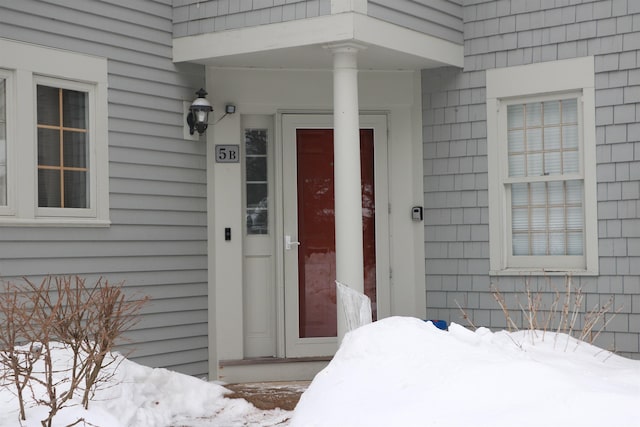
point(85, 320)
point(18, 363)
point(564, 314)
point(466, 317)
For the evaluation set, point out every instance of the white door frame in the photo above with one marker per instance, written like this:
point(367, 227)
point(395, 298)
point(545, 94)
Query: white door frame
point(309, 347)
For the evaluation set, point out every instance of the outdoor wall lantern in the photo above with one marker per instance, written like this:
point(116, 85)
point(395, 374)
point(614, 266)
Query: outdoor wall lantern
point(198, 117)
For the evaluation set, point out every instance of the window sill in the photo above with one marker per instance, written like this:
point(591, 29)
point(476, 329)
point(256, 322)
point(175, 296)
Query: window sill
point(542, 272)
point(54, 222)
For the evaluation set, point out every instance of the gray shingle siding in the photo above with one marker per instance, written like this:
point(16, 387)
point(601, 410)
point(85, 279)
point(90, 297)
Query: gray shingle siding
point(157, 240)
point(500, 33)
point(439, 18)
point(192, 17)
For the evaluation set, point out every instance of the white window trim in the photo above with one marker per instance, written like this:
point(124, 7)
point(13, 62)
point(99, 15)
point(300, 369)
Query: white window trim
point(538, 80)
point(10, 120)
point(24, 66)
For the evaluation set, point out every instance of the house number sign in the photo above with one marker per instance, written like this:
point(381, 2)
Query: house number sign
point(227, 153)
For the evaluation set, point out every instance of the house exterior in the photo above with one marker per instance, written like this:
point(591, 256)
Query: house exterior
point(448, 146)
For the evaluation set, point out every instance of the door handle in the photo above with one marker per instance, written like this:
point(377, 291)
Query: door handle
point(288, 243)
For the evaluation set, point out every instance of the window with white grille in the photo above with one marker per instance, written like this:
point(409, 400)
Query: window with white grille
point(53, 137)
point(541, 147)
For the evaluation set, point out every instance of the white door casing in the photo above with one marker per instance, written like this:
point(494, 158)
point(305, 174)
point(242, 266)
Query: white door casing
point(259, 288)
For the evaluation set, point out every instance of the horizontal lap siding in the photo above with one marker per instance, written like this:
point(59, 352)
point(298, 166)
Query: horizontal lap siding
point(439, 18)
point(157, 240)
point(192, 17)
point(500, 33)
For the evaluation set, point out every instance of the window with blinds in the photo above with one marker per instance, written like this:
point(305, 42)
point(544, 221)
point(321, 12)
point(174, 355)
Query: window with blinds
point(541, 158)
point(547, 209)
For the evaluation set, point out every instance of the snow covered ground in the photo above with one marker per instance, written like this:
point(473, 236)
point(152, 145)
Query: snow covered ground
point(395, 372)
point(405, 372)
point(140, 396)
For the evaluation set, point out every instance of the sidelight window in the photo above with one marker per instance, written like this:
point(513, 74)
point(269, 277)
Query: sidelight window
point(257, 184)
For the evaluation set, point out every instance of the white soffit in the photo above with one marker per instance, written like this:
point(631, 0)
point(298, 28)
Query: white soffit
point(300, 44)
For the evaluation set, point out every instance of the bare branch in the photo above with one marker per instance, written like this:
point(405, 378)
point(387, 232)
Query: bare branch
point(87, 320)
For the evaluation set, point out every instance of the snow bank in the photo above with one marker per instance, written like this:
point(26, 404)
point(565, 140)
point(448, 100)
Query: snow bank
point(405, 372)
point(395, 372)
point(139, 396)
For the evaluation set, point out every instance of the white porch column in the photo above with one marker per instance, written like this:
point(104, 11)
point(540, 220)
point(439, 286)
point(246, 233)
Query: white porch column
point(347, 177)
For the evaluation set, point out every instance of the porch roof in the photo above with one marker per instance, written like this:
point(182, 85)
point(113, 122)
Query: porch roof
point(300, 44)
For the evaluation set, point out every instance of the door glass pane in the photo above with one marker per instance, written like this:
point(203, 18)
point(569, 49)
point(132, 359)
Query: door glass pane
point(367, 167)
point(316, 229)
point(316, 232)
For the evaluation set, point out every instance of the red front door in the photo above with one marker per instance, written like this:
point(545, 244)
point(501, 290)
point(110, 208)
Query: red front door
point(316, 229)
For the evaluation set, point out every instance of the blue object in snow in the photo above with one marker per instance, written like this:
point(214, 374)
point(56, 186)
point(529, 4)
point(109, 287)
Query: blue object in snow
point(440, 324)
